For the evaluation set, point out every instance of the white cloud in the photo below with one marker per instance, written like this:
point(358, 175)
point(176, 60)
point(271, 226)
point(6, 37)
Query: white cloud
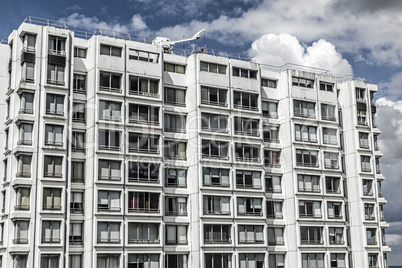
point(137, 23)
point(280, 49)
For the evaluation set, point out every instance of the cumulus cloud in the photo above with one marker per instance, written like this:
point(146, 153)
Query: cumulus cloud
point(280, 49)
point(82, 22)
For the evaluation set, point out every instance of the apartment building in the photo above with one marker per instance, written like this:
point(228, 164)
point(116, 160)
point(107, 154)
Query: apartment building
point(119, 153)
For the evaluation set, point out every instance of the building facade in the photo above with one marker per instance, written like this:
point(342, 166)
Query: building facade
point(117, 153)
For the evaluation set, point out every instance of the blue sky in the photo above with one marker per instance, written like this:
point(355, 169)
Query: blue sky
point(360, 37)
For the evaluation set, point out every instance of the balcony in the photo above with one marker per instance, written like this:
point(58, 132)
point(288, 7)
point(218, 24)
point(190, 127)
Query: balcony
point(312, 242)
point(247, 133)
point(51, 240)
point(272, 165)
point(143, 241)
point(25, 111)
point(273, 243)
point(269, 140)
point(315, 216)
point(310, 190)
point(143, 94)
point(176, 242)
point(55, 82)
point(24, 142)
point(333, 242)
point(217, 240)
point(21, 207)
point(110, 89)
point(108, 209)
point(52, 207)
point(365, 169)
point(302, 164)
point(143, 151)
point(144, 210)
point(109, 148)
point(109, 178)
point(76, 241)
point(109, 240)
point(54, 143)
point(369, 217)
point(245, 107)
point(176, 213)
point(19, 241)
point(275, 216)
point(305, 115)
point(214, 103)
point(23, 175)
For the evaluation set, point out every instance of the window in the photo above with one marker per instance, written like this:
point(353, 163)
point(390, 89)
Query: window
point(20, 260)
point(246, 126)
point(176, 234)
point(371, 234)
point(216, 205)
point(331, 160)
point(369, 211)
point(275, 236)
point(143, 202)
point(108, 232)
point(361, 118)
point(270, 109)
point(360, 94)
point(251, 234)
point(26, 103)
point(367, 187)
point(332, 185)
point(24, 166)
point(51, 198)
point(265, 82)
point(218, 260)
point(382, 218)
point(80, 53)
point(175, 96)
point(304, 109)
point(271, 134)
point(21, 232)
point(273, 184)
point(79, 84)
point(212, 67)
point(108, 261)
point(143, 260)
point(29, 43)
point(326, 86)
point(176, 261)
point(175, 206)
point(55, 74)
point(75, 236)
point(77, 203)
point(274, 209)
point(308, 183)
point(57, 45)
point(247, 152)
point(109, 170)
point(248, 179)
point(53, 166)
point(245, 101)
point(109, 140)
point(250, 260)
point(143, 114)
point(79, 112)
point(143, 172)
point(77, 171)
point(384, 241)
point(78, 141)
point(310, 235)
point(336, 236)
point(365, 163)
point(334, 210)
point(49, 261)
point(143, 86)
point(175, 123)
point(174, 68)
point(306, 158)
point(110, 50)
point(214, 149)
point(309, 209)
point(5, 169)
point(109, 201)
point(377, 165)
point(143, 143)
point(306, 133)
point(175, 177)
point(54, 135)
point(175, 150)
point(276, 260)
point(272, 159)
point(25, 134)
point(110, 82)
point(329, 136)
point(28, 72)
point(142, 55)
point(215, 177)
point(249, 206)
point(328, 112)
point(375, 138)
point(313, 260)
point(75, 261)
point(379, 189)
point(54, 104)
point(51, 232)
point(217, 233)
point(372, 260)
point(22, 202)
point(143, 233)
point(244, 73)
point(214, 96)
point(302, 82)
point(214, 122)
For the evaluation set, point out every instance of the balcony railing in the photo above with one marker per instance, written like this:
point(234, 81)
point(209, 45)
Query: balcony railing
point(271, 140)
point(142, 122)
point(108, 209)
point(110, 89)
point(247, 133)
point(269, 189)
point(334, 242)
point(174, 103)
point(333, 191)
point(302, 164)
point(365, 169)
point(247, 159)
point(143, 151)
point(50, 240)
point(176, 242)
point(51, 207)
point(216, 184)
point(248, 186)
point(21, 207)
point(369, 217)
point(217, 240)
point(305, 115)
point(334, 166)
point(108, 147)
point(269, 115)
point(53, 175)
point(312, 242)
point(175, 130)
point(109, 178)
point(317, 216)
point(24, 142)
point(275, 216)
point(75, 241)
point(214, 103)
point(55, 112)
point(175, 185)
point(79, 91)
point(18, 241)
point(55, 82)
point(23, 175)
point(77, 210)
point(272, 165)
point(142, 180)
point(57, 52)
point(77, 179)
point(175, 213)
point(144, 210)
point(311, 190)
point(108, 240)
point(144, 94)
point(78, 119)
point(328, 118)
point(25, 111)
point(215, 212)
point(143, 241)
point(245, 107)
point(368, 193)
point(54, 143)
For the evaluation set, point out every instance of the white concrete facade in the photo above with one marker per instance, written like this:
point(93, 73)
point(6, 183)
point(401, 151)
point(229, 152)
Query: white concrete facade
point(117, 154)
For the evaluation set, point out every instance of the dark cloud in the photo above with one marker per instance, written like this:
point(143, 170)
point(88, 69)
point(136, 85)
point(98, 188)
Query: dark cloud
point(371, 6)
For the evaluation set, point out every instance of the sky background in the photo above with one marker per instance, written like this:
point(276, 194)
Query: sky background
point(359, 37)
